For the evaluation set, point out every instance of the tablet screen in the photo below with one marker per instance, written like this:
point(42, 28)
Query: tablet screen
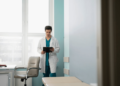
point(47, 49)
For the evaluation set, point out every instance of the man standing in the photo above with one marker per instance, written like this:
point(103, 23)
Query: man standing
point(48, 60)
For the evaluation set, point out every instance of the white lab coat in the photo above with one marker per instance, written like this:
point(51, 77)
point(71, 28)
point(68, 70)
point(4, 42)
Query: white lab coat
point(52, 55)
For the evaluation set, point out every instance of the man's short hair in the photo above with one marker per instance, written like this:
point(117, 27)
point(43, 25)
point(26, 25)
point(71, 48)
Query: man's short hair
point(48, 28)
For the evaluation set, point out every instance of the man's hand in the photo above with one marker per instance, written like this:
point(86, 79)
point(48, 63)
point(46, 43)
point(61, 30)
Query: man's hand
point(52, 49)
point(43, 52)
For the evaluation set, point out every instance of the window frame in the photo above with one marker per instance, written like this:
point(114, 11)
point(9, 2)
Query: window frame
point(24, 34)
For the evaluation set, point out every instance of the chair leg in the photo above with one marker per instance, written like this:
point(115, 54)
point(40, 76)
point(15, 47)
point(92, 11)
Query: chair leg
point(25, 83)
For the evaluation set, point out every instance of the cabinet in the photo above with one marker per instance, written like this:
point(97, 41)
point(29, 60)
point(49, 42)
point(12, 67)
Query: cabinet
point(7, 76)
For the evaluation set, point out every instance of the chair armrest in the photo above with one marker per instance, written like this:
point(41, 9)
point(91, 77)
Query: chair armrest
point(20, 68)
point(34, 68)
point(30, 69)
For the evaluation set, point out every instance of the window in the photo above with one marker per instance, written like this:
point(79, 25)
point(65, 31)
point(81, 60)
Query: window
point(22, 25)
point(38, 15)
point(10, 15)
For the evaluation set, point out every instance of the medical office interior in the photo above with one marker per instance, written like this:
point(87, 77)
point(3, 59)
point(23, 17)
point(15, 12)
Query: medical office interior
point(77, 27)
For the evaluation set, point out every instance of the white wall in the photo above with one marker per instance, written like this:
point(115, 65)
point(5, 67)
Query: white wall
point(82, 39)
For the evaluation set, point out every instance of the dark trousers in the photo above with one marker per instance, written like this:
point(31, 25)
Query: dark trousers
point(48, 73)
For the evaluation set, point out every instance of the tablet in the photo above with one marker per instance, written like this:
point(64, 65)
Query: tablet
point(47, 49)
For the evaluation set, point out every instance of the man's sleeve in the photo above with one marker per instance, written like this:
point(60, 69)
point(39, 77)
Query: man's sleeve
point(39, 49)
point(57, 47)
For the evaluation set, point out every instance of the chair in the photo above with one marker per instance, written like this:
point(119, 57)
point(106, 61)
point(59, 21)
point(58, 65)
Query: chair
point(32, 69)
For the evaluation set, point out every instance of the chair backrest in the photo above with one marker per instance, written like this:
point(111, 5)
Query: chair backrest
point(33, 62)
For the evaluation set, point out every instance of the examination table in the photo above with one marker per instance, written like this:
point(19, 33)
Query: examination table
point(63, 81)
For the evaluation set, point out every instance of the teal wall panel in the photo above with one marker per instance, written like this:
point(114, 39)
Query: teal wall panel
point(59, 32)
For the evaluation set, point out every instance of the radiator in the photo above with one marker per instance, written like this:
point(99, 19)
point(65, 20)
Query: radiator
point(18, 81)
